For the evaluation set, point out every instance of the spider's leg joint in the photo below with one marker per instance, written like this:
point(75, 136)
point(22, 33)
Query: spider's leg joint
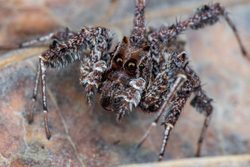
point(182, 76)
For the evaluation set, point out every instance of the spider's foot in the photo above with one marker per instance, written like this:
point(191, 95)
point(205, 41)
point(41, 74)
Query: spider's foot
point(46, 125)
point(144, 137)
point(138, 146)
point(30, 112)
point(48, 134)
point(198, 152)
point(160, 157)
point(30, 118)
point(245, 54)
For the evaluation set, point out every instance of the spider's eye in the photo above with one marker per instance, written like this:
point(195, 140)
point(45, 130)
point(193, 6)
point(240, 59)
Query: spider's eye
point(141, 66)
point(119, 61)
point(131, 66)
point(182, 56)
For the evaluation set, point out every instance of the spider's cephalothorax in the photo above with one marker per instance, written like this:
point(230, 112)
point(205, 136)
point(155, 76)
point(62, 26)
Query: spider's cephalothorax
point(147, 70)
point(123, 85)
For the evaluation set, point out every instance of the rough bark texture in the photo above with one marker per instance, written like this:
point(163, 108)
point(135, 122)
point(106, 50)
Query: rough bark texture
point(87, 136)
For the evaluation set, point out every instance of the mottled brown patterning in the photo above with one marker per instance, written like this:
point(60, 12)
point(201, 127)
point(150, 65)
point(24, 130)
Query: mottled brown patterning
point(148, 70)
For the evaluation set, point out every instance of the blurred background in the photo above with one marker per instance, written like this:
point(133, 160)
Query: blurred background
point(89, 136)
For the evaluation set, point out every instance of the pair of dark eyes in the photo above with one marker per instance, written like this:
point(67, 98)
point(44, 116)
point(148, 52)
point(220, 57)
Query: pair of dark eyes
point(130, 65)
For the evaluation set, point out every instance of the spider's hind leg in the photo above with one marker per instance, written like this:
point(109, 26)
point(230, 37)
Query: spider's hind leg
point(49, 39)
point(202, 103)
point(40, 75)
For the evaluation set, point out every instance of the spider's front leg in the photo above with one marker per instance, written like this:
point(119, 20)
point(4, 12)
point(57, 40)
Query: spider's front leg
point(137, 36)
point(69, 51)
point(170, 119)
point(154, 102)
point(181, 81)
point(176, 86)
point(206, 15)
point(92, 80)
point(93, 67)
point(201, 102)
point(53, 39)
point(173, 112)
point(40, 74)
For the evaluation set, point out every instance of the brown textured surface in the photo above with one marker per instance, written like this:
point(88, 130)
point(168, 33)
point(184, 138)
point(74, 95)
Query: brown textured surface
point(219, 161)
point(90, 136)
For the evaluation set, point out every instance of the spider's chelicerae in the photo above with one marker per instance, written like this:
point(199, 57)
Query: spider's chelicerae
point(147, 71)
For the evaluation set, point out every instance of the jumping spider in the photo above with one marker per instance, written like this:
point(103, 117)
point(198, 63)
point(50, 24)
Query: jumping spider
point(147, 70)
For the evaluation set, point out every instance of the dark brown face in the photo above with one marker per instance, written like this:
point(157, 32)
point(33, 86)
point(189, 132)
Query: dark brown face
point(126, 58)
point(124, 67)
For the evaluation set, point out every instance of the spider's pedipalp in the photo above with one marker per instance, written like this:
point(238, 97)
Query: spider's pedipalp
point(130, 97)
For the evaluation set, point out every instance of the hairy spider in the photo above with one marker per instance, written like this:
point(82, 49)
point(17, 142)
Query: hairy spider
point(148, 70)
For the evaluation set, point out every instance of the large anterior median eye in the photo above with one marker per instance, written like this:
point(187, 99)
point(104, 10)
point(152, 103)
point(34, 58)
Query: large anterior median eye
point(131, 66)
